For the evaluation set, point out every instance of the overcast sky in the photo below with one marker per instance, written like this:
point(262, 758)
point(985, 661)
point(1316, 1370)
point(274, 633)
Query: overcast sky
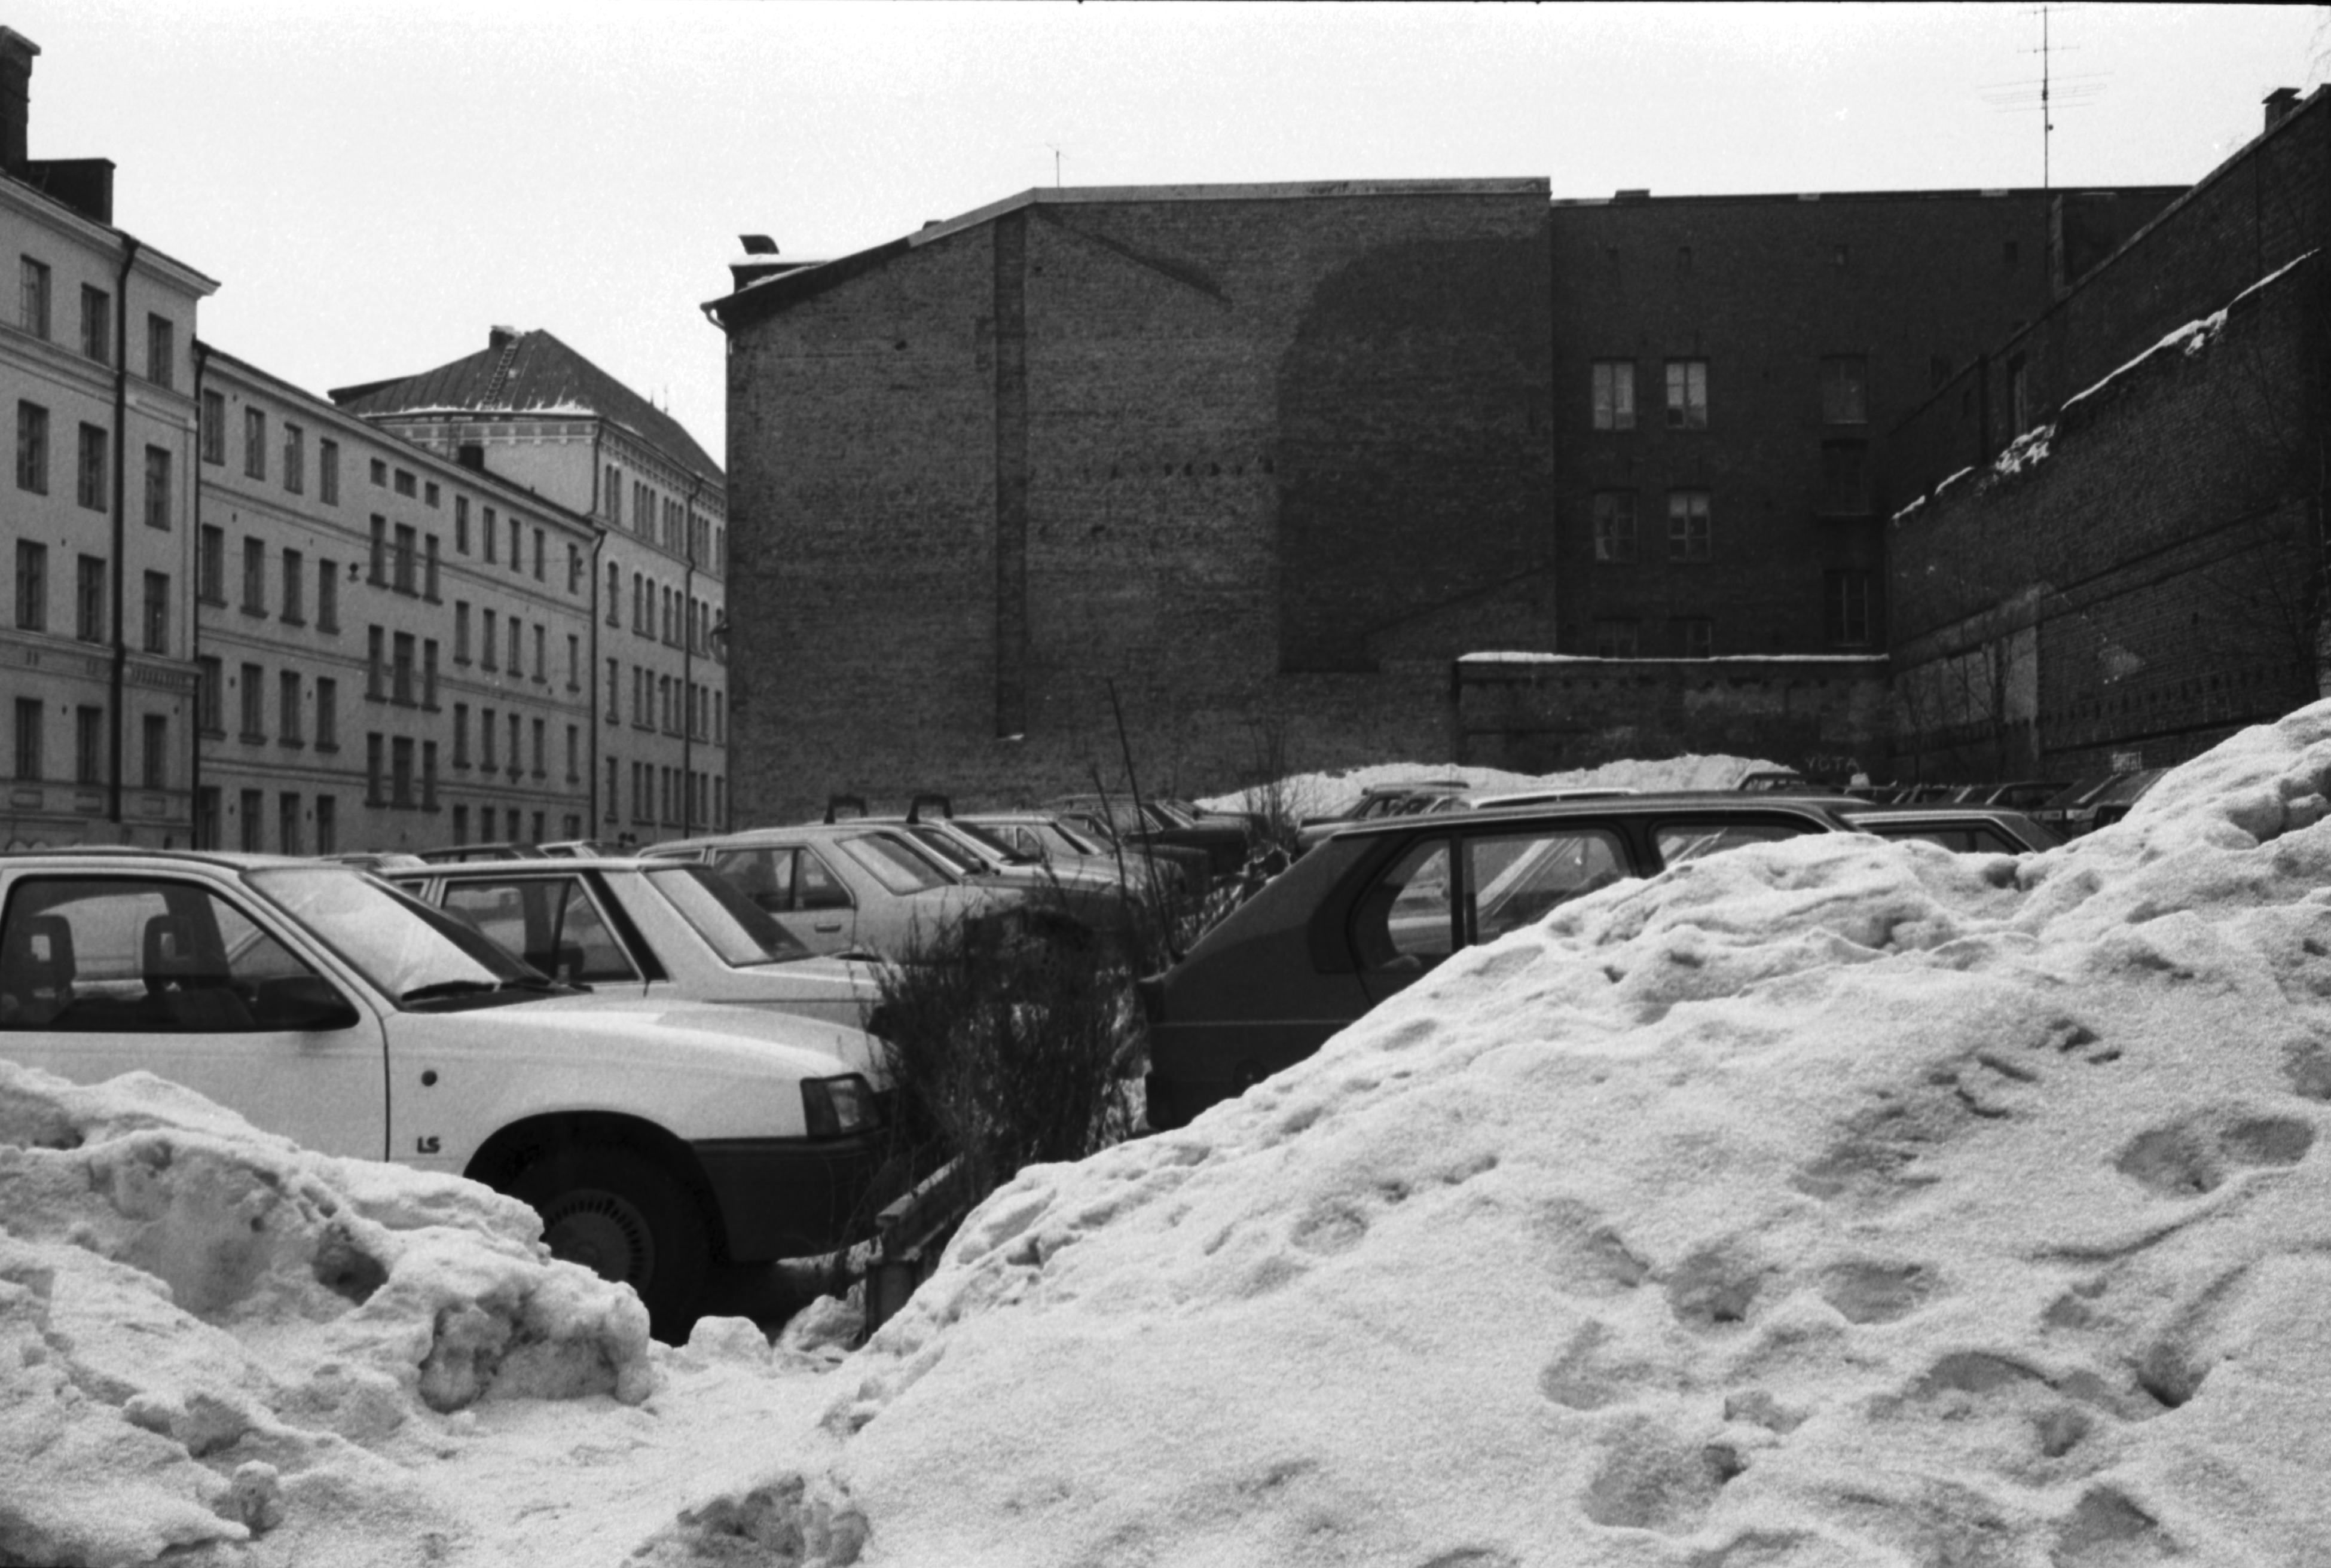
point(374, 185)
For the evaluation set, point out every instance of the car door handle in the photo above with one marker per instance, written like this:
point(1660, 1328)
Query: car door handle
point(828, 926)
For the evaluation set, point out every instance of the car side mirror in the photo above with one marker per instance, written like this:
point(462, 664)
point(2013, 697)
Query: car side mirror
point(306, 1002)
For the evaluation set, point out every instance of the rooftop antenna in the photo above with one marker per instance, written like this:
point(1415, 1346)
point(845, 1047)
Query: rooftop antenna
point(1057, 156)
point(2048, 93)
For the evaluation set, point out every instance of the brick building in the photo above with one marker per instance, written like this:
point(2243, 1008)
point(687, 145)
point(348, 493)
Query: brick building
point(2117, 556)
point(1268, 460)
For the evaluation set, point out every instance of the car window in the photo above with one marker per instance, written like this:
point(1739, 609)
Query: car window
point(1965, 840)
point(1681, 841)
point(816, 885)
point(895, 865)
point(935, 844)
point(551, 922)
point(1060, 835)
point(1512, 880)
point(762, 874)
point(140, 956)
point(402, 945)
point(738, 929)
point(1006, 844)
point(1402, 923)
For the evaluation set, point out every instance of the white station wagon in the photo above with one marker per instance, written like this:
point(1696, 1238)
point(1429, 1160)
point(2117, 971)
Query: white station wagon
point(328, 1007)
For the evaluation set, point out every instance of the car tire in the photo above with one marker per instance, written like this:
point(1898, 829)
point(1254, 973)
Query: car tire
point(624, 1216)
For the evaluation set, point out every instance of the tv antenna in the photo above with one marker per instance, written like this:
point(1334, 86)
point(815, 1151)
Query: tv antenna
point(1057, 156)
point(2048, 93)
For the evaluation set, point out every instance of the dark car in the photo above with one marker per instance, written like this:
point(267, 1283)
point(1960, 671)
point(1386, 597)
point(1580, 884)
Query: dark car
point(1205, 850)
point(1376, 905)
point(1966, 828)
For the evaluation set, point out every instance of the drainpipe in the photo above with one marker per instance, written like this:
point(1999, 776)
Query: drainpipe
point(194, 608)
point(120, 517)
point(688, 661)
point(598, 544)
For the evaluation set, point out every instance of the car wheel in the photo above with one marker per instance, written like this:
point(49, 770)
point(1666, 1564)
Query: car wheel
point(623, 1216)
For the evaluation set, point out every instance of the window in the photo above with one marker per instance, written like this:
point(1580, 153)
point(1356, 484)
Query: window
point(157, 487)
point(1614, 395)
point(210, 566)
point(461, 631)
point(573, 570)
point(404, 558)
point(89, 745)
point(97, 323)
point(1842, 380)
point(485, 531)
point(574, 754)
point(429, 493)
point(612, 491)
point(1845, 597)
point(254, 577)
point(2019, 397)
point(28, 738)
point(1618, 639)
point(486, 733)
point(286, 825)
point(1845, 477)
point(1694, 636)
point(89, 479)
point(156, 770)
point(401, 669)
point(516, 647)
point(254, 703)
point(460, 823)
point(377, 571)
point(614, 595)
point(287, 706)
point(1687, 395)
point(375, 662)
point(31, 586)
point(574, 662)
point(541, 664)
point(539, 556)
point(429, 582)
point(327, 833)
point(613, 777)
point(461, 525)
point(1402, 923)
point(489, 644)
point(161, 351)
point(428, 775)
point(254, 443)
point(400, 771)
point(210, 697)
point(34, 309)
point(639, 602)
point(375, 765)
point(515, 766)
point(88, 599)
point(328, 597)
point(461, 734)
point(1615, 525)
point(295, 459)
point(32, 448)
point(615, 692)
point(328, 487)
point(215, 427)
point(379, 471)
point(516, 556)
point(328, 714)
point(295, 588)
point(157, 612)
point(1688, 525)
point(429, 673)
point(405, 483)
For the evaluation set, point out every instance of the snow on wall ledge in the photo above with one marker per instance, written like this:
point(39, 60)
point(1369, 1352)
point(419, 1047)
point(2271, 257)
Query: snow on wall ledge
point(1823, 1203)
point(203, 1330)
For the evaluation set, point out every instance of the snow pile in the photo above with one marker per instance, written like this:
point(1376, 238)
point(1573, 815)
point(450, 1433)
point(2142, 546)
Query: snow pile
point(208, 1336)
point(1317, 794)
point(1824, 1203)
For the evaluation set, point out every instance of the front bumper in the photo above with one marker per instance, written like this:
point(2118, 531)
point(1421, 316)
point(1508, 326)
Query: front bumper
point(791, 1197)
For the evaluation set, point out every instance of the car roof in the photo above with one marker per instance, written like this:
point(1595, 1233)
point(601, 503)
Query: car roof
point(1730, 801)
point(533, 865)
point(233, 859)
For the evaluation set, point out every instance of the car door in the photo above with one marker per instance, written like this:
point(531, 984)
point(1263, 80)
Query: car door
point(106, 972)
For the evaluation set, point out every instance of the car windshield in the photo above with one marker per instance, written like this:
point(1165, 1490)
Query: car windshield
point(895, 864)
point(935, 840)
point(739, 930)
point(408, 951)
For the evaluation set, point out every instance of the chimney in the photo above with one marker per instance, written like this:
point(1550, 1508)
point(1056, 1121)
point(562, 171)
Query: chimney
point(2278, 105)
point(500, 336)
point(16, 52)
point(760, 260)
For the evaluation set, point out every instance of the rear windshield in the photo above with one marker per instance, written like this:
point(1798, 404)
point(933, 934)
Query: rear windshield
point(935, 843)
point(992, 841)
point(739, 930)
point(895, 864)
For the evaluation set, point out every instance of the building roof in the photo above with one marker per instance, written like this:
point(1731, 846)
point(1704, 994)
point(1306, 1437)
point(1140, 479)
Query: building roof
point(528, 374)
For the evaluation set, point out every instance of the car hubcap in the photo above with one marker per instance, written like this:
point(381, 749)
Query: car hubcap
point(603, 1233)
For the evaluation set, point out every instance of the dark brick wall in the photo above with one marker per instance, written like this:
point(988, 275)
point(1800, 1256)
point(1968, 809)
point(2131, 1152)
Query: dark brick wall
point(1819, 716)
point(2150, 585)
point(1763, 289)
point(1220, 453)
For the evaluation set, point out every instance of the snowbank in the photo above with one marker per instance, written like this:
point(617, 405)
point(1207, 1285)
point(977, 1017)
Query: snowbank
point(1824, 1203)
point(208, 1336)
point(1319, 794)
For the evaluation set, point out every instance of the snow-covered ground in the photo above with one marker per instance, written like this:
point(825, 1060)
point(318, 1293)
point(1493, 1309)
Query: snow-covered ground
point(1833, 1202)
point(1319, 793)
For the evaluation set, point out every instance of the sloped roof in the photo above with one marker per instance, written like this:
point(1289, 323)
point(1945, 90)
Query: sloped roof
point(530, 373)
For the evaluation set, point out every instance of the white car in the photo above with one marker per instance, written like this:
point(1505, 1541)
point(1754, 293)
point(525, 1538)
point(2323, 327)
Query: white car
point(326, 1006)
point(659, 931)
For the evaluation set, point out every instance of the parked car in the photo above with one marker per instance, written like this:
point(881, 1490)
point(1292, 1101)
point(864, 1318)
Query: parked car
point(670, 931)
point(1966, 828)
point(1095, 899)
point(576, 849)
point(1195, 866)
point(1153, 822)
point(375, 860)
point(848, 886)
point(1048, 839)
point(460, 854)
point(1377, 905)
point(324, 1005)
point(1379, 801)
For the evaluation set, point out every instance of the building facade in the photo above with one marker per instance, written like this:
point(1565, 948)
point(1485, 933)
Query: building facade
point(96, 369)
point(392, 646)
point(533, 413)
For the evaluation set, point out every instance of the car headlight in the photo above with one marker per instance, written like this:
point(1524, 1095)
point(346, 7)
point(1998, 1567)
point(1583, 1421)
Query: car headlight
point(832, 1106)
